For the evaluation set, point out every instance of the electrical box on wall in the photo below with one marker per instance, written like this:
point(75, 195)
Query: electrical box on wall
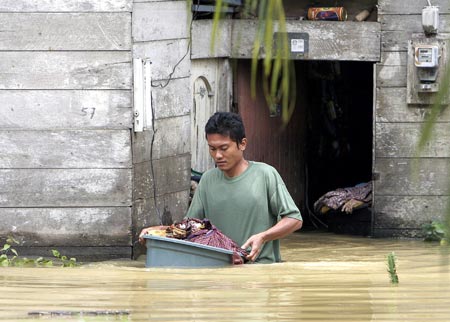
point(427, 62)
point(142, 96)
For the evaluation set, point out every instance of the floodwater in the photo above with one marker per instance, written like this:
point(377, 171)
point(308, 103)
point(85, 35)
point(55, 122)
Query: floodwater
point(326, 277)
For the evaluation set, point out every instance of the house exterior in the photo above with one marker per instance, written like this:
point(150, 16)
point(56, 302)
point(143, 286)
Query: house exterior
point(76, 176)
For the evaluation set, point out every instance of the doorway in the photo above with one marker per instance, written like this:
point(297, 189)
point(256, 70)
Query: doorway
point(339, 134)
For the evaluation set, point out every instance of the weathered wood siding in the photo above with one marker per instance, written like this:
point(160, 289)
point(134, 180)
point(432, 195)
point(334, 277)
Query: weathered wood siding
point(161, 157)
point(407, 193)
point(65, 126)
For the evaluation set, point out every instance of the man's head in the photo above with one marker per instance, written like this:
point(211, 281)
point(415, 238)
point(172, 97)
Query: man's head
point(226, 140)
point(226, 124)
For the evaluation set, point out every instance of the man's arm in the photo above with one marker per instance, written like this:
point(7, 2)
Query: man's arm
point(283, 228)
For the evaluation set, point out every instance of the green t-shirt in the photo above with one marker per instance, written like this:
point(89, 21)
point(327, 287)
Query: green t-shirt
point(245, 205)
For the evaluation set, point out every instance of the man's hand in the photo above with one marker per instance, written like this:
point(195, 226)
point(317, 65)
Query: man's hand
point(256, 243)
point(283, 228)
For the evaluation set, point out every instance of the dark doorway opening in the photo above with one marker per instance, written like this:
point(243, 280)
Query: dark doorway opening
point(338, 151)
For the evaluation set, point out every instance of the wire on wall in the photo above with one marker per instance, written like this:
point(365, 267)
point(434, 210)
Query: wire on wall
point(188, 48)
point(152, 171)
point(169, 79)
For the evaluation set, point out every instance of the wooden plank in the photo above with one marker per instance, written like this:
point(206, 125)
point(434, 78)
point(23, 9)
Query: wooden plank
point(412, 6)
point(65, 149)
point(109, 226)
point(160, 20)
point(171, 206)
point(172, 137)
point(66, 5)
point(172, 174)
point(202, 37)
point(391, 71)
point(391, 107)
point(411, 23)
point(68, 109)
point(65, 187)
point(395, 40)
point(65, 31)
point(165, 54)
point(406, 212)
point(171, 100)
point(65, 70)
point(398, 179)
point(401, 139)
point(391, 76)
point(393, 59)
point(351, 41)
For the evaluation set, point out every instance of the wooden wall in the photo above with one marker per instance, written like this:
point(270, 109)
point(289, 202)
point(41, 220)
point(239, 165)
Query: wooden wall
point(65, 126)
point(405, 200)
point(161, 157)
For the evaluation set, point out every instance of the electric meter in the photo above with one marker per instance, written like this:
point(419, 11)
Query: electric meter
point(426, 56)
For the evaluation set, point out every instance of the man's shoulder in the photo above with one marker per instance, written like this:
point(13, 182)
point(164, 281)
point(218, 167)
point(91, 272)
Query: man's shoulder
point(211, 174)
point(263, 167)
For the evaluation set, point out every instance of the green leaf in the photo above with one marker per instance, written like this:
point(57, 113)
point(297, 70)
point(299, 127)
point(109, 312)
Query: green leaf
point(14, 252)
point(12, 240)
point(56, 253)
point(6, 247)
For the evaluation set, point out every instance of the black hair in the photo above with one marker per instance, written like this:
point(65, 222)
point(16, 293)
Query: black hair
point(226, 124)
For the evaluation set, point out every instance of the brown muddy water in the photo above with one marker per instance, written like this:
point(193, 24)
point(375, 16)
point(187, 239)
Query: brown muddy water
point(325, 277)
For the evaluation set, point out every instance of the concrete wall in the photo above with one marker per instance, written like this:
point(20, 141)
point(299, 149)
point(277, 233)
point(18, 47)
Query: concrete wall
point(65, 126)
point(162, 157)
point(404, 201)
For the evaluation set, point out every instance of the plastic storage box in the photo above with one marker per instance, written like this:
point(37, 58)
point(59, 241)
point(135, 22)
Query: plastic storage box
point(171, 252)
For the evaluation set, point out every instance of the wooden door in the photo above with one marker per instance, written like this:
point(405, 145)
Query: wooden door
point(202, 109)
point(212, 88)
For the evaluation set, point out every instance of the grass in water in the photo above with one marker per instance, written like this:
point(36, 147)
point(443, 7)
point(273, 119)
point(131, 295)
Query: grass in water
point(392, 270)
point(10, 257)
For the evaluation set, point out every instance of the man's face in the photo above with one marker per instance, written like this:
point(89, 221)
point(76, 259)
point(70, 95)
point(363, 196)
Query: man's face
point(226, 153)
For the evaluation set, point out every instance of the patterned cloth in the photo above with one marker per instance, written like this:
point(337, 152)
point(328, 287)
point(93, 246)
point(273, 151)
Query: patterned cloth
point(205, 233)
point(337, 198)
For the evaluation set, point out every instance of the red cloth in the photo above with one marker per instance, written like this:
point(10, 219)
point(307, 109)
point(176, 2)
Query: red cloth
point(211, 236)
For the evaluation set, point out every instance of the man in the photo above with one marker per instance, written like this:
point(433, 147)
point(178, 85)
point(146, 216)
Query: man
point(244, 199)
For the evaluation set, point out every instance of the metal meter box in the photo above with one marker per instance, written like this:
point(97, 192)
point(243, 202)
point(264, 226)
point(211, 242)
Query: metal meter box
point(426, 56)
point(426, 65)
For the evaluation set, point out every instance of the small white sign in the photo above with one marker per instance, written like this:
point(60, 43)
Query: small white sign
point(297, 45)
